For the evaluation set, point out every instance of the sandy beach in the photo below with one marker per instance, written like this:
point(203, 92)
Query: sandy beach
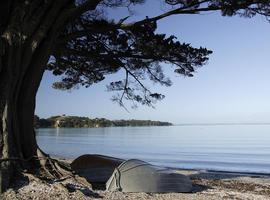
point(206, 185)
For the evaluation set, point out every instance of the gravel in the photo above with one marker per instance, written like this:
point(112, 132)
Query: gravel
point(207, 186)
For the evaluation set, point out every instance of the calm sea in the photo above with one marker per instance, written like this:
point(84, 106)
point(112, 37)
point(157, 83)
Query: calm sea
point(243, 148)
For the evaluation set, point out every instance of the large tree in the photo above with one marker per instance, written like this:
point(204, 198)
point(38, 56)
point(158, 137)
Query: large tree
point(77, 40)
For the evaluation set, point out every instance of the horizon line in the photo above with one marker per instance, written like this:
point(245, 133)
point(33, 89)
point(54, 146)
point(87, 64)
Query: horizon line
point(222, 123)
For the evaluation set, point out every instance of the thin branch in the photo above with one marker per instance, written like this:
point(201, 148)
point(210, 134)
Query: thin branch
point(125, 92)
point(136, 78)
point(86, 6)
point(125, 88)
point(156, 78)
point(183, 10)
point(188, 9)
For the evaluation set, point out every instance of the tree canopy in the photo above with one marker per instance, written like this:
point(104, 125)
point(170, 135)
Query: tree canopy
point(93, 45)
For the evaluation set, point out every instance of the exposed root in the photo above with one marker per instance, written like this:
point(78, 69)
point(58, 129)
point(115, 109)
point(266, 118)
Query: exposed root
point(46, 169)
point(56, 170)
point(52, 168)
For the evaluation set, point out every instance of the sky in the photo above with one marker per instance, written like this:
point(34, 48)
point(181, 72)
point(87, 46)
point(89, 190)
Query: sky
point(233, 87)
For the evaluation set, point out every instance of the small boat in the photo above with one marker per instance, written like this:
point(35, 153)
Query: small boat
point(139, 176)
point(95, 168)
point(129, 175)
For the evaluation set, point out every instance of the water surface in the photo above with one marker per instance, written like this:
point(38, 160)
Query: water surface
point(243, 148)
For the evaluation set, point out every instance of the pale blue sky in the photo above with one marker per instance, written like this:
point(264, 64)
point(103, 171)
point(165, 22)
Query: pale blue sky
point(232, 87)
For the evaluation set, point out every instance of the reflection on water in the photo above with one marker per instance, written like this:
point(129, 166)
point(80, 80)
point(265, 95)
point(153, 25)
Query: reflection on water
point(223, 147)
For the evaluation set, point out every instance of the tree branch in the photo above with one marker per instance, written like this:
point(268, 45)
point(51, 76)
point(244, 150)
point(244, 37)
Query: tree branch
point(185, 10)
point(125, 88)
point(136, 78)
point(156, 78)
point(86, 6)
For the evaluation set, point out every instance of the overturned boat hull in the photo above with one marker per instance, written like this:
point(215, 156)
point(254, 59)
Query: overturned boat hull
point(95, 168)
point(139, 176)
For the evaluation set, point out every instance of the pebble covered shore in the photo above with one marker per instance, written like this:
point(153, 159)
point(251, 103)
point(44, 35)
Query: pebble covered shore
point(207, 185)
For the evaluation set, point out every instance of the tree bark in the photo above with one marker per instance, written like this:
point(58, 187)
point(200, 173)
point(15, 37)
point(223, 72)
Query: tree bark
point(17, 143)
point(24, 53)
point(28, 30)
point(18, 88)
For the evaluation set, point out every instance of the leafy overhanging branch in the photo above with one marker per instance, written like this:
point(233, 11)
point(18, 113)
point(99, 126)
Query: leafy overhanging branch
point(92, 47)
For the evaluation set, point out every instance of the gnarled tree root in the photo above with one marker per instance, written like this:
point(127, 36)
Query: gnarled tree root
point(45, 168)
point(57, 170)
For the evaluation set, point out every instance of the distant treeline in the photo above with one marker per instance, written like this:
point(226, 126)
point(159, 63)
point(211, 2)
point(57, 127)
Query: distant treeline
point(85, 122)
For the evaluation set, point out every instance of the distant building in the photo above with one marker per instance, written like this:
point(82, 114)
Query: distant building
point(57, 123)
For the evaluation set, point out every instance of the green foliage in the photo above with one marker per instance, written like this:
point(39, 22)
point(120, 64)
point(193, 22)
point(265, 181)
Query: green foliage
point(94, 45)
point(85, 122)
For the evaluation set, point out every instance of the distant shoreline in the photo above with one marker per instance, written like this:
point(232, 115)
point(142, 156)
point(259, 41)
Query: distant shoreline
point(63, 121)
point(103, 127)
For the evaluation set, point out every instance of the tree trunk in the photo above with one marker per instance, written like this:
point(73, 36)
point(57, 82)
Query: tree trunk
point(18, 147)
point(22, 64)
point(27, 33)
point(18, 88)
